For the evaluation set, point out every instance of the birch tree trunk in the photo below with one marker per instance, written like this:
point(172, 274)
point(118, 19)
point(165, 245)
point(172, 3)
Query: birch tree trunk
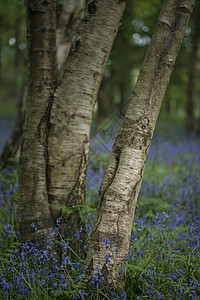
point(105, 100)
point(41, 78)
point(122, 180)
point(55, 145)
point(69, 16)
point(72, 111)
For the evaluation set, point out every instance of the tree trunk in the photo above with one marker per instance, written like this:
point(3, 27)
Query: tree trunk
point(191, 123)
point(55, 145)
point(125, 90)
point(72, 111)
point(33, 198)
point(122, 180)
point(69, 15)
point(105, 100)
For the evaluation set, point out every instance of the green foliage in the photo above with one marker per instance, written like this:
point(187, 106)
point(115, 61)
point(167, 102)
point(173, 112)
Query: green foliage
point(8, 196)
point(170, 269)
point(12, 52)
point(8, 109)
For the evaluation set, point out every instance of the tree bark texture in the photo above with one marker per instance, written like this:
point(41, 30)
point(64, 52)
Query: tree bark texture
point(69, 16)
point(41, 77)
point(122, 180)
point(191, 122)
point(55, 144)
point(72, 110)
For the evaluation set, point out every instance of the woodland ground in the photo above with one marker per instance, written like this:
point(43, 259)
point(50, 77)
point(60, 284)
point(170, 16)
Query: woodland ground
point(164, 257)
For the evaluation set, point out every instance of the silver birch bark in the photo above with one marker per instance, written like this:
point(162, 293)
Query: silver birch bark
point(122, 180)
point(72, 110)
point(69, 16)
point(41, 78)
point(55, 149)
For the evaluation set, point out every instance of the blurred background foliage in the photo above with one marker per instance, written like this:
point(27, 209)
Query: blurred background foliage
point(122, 68)
point(12, 55)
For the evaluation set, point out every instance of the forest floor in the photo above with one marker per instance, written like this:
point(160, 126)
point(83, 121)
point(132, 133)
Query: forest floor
point(164, 257)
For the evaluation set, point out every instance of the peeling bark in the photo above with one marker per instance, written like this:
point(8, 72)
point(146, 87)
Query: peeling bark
point(122, 180)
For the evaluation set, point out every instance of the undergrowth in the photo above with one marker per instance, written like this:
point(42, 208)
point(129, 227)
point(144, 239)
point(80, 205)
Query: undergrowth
point(164, 257)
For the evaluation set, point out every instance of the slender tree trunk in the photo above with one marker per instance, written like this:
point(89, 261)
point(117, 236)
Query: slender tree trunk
point(191, 122)
point(121, 183)
point(72, 111)
point(105, 100)
point(33, 198)
point(125, 91)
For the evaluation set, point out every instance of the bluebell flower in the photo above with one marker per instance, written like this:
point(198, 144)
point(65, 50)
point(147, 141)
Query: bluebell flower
point(64, 244)
point(107, 257)
point(65, 259)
